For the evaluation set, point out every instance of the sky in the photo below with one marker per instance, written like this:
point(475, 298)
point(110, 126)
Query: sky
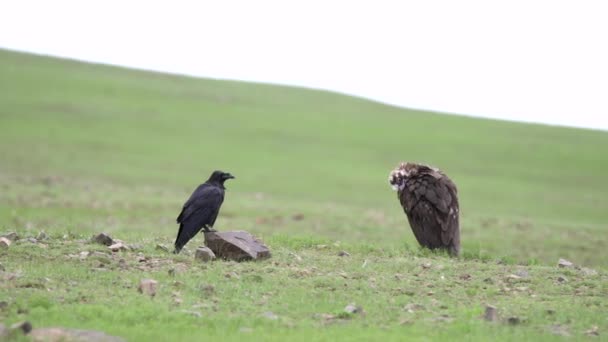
point(535, 61)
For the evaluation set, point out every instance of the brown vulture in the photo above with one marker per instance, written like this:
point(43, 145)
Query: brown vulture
point(430, 201)
point(201, 209)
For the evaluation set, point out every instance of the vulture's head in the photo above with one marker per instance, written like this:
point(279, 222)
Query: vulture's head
point(220, 177)
point(399, 176)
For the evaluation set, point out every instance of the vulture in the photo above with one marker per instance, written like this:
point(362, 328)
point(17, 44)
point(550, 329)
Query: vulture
point(430, 201)
point(201, 209)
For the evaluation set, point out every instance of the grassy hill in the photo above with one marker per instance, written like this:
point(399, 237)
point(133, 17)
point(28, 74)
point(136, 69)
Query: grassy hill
point(87, 148)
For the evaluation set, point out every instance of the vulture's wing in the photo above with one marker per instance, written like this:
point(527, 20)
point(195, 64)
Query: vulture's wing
point(431, 204)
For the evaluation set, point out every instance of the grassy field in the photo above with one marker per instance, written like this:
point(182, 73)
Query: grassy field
point(87, 148)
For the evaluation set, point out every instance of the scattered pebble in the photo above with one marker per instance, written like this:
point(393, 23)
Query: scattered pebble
point(103, 239)
point(564, 263)
point(148, 287)
point(41, 236)
point(594, 331)
point(118, 247)
point(562, 279)
point(513, 320)
point(204, 254)
point(588, 271)
point(491, 313)
point(270, 315)
point(353, 309)
point(343, 253)
point(4, 243)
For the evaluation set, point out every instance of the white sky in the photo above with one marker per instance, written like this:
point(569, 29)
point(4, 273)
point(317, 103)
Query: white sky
point(540, 61)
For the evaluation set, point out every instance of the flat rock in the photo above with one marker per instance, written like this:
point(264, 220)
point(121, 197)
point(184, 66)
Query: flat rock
point(72, 335)
point(236, 245)
point(118, 247)
point(204, 254)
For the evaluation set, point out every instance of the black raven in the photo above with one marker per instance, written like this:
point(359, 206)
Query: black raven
point(201, 209)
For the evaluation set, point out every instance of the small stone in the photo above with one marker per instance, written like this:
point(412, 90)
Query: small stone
point(562, 279)
point(513, 277)
point(196, 314)
point(24, 326)
point(118, 247)
point(41, 236)
point(522, 273)
point(208, 290)
point(103, 239)
point(4, 243)
point(426, 265)
point(550, 312)
point(204, 254)
point(559, 329)
point(32, 240)
point(271, 315)
point(11, 236)
point(564, 263)
point(135, 247)
point(163, 248)
point(588, 271)
point(513, 320)
point(148, 287)
point(353, 309)
point(83, 255)
point(491, 314)
point(594, 331)
point(298, 217)
point(3, 305)
point(343, 254)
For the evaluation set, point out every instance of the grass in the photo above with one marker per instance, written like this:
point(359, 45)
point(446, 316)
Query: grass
point(89, 148)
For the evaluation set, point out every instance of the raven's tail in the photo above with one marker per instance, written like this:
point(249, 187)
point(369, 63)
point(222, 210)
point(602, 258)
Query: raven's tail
point(184, 235)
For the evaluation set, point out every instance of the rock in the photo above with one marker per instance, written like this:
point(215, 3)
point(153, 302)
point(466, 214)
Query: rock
point(204, 254)
point(236, 245)
point(118, 247)
point(160, 247)
point(522, 273)
point(24, 327)
point(564, 263)
point(11, 236)
point(588, 271)
point(271, 315)
point(71, 335)
point(4, 243)
point(353, 309)
point(594, 331)
point(343, 253)
point(3, 305)
point(148, 287)
point(562, 279)
point(103, 239)
point(491, 314)
point(41, 236)
point(513, 320)
point(558, 329)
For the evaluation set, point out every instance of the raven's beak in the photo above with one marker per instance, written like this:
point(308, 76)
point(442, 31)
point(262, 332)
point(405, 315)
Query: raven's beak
point(229, 176)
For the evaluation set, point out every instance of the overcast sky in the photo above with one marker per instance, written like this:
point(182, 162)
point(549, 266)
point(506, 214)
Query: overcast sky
point(540, 61)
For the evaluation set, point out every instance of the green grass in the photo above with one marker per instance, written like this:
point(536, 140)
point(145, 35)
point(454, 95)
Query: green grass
point(87, 148)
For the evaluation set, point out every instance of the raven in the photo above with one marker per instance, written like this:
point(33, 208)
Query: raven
point(201, 209)
point(430, 201)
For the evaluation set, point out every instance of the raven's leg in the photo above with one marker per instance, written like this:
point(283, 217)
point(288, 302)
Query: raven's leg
point(208, 229)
